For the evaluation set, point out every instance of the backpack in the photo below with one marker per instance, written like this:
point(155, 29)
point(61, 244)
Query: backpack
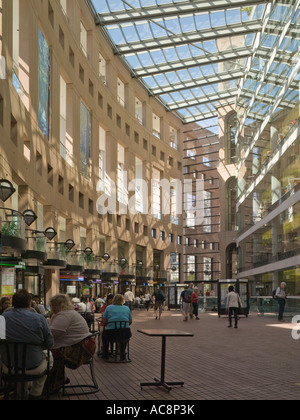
point(188, 297)
point(159, 296)
point(274, 294)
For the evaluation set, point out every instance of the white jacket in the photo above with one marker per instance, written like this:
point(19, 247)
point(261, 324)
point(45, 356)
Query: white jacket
point(233, 300)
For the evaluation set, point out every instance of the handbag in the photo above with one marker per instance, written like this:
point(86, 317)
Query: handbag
point(79, 354)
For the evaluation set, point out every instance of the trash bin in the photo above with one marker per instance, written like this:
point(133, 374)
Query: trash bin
point(241, 287)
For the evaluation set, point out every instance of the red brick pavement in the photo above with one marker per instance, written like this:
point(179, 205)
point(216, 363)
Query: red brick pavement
point(258, 361)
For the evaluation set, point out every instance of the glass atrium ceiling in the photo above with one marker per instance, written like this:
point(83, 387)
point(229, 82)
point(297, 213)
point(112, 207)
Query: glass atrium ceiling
point(197, 55)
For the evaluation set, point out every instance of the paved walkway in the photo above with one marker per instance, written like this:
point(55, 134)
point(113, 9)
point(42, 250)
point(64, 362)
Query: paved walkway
point(258, 361)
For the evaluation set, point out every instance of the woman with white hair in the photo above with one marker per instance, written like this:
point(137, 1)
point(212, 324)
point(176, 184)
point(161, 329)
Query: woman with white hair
point(281, 295)
point(73, 345)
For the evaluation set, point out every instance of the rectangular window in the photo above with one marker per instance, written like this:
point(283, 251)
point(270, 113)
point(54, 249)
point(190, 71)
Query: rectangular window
point(174, 211)
point(156, 126)
point(102, 69)
point(102, 158)
point(83, 39)
point(139, 190)
point(85, 141)
point(122, 176)
point(43, 85)
point(139, 111)
point(206, 161)
point(207, 212)
point(173, 138)
point(66, 141)
point(156, 195)
point(121, 92)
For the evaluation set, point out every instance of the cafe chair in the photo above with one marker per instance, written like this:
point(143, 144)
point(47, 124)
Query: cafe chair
point(119, 343)
point(86, 389)
point(14, 372)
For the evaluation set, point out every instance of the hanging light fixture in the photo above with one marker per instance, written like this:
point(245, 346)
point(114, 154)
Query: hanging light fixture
point(88, 251)
point(69, 244)
point(6, 190)
point(30, 217)
point(106, 257)
point(50, 233)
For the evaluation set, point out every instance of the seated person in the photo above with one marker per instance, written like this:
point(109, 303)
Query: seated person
point(109, 300)
point(72, 340)
point(25, 326)
point(4, 304)
point(117, 311)
point(137, 301)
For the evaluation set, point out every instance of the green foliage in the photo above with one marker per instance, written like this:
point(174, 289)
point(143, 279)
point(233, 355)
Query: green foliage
point(248, 10)
point(10, 229)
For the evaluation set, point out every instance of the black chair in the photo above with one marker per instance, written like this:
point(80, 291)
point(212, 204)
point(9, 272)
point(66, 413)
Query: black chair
point(14, 371)
point(117, 340)
point(89, 388)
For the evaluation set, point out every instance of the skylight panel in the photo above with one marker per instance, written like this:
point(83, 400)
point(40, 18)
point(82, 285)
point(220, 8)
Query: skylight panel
point(172, 77)
point(158, 57)
point(233, 16)
point(145, 59)
point(161, 80)
point(116, 35)
point(157, 27)
point(151, 82)
point(202, 21)
point(217, 19)
point(183, 52)
point(187, 23)
point(130, 33)
point(173, 25)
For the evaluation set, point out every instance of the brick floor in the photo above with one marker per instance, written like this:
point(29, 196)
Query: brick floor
point(258, 361)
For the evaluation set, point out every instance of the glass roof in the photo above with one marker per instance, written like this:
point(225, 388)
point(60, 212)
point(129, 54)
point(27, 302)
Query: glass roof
point(195, 55)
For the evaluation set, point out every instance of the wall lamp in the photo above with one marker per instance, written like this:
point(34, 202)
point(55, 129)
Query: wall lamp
point(6, 190)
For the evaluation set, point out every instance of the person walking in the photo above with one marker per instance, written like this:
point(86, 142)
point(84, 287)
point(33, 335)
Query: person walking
point(159, 297)
point(186, 300)
point(195, 304)
point(147, 300)
point(129, 298)
point(281, 296)
point(232, 306)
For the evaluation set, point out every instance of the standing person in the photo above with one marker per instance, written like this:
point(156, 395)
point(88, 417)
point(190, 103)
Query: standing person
point(190, 292)
point(281, 296)
point(186, 300)
point(129, 298)
point(26, 326)
point(233, 305)
point(195, 300)
point(147, 300)
point(159, 297)
point(86, 310)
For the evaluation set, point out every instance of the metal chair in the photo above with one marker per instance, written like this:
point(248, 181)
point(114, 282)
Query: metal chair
point(91, 388)
point(13, 370)
point(118, 342)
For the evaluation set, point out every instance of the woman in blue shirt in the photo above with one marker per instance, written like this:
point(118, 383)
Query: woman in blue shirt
point(117, 319)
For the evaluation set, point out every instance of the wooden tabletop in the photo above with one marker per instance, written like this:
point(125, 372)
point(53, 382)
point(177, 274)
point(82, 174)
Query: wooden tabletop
point(165, 333)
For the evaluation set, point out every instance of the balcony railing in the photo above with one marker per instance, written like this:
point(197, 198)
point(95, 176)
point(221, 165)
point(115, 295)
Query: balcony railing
point(12, 229)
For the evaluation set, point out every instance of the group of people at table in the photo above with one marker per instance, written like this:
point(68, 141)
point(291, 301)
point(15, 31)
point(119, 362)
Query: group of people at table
point(66, 333)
